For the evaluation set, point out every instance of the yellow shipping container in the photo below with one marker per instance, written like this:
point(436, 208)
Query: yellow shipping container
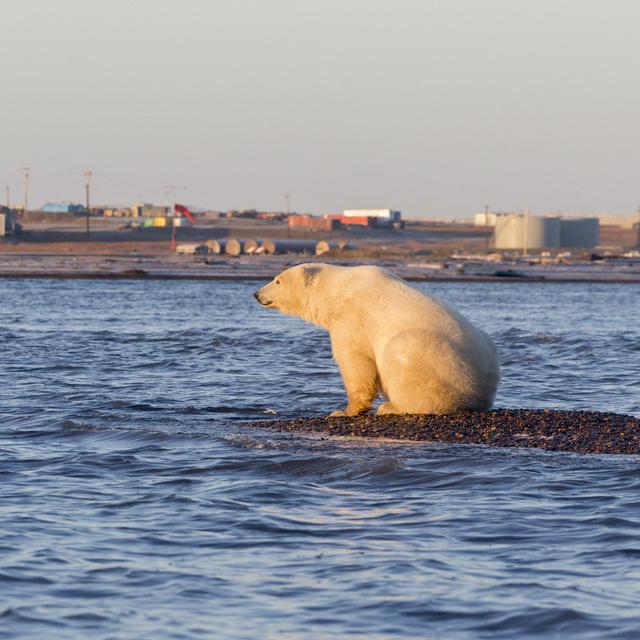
point(159, 222)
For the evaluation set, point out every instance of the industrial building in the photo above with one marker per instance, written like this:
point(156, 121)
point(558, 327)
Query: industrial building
point(523, 232)
point(62, 207)
point(8, 224)
point(625, 221)
point(307, 221)
point(349, 218)
point(387, 215)
point(147, 210)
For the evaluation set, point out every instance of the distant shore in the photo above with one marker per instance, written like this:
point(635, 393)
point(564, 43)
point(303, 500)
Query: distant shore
point(217, 267)
point(423, 251)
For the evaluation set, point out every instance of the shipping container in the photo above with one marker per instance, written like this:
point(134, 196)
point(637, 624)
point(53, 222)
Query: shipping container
point(313, 222)
point(362, 221)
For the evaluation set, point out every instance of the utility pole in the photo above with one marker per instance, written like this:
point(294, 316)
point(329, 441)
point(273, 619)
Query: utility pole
point(287, 198)
point(8, 191)
point(486, 224)
point(87, 185)
point(26, 190)
point(169, 189)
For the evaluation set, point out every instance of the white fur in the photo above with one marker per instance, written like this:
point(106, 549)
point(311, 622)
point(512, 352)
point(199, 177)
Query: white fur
point(386, 336)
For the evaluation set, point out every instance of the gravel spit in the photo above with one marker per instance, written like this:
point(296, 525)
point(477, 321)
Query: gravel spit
point(576, 431)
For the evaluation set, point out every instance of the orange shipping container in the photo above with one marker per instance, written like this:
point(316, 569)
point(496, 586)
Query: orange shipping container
point(363, 221)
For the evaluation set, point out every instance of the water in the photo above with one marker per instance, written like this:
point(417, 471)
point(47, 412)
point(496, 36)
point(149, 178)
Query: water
point(134, 505)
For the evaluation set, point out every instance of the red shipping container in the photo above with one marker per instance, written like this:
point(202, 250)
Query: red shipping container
point(363, 221)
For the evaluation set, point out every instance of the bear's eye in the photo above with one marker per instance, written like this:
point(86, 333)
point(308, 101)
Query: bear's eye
point(277, 280)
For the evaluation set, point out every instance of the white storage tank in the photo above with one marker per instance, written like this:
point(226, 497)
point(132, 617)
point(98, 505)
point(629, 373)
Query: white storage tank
point(524, 232)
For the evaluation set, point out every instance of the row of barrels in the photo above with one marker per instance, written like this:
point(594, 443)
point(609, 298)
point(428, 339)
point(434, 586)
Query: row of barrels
point(235, 247)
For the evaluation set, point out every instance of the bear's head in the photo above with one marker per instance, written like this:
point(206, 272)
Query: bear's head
point(289, 291)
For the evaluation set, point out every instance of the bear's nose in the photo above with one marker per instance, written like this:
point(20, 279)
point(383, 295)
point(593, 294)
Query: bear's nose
point(256, 295)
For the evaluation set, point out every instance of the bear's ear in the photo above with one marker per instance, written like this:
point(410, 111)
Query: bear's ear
point(309, 274)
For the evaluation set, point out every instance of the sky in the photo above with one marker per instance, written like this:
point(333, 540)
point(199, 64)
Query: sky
point(433, 107)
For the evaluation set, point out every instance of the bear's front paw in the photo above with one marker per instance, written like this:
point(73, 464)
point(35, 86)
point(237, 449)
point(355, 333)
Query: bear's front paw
point(338, 414)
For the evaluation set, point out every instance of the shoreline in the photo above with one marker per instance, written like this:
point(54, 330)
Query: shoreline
point(151, 265)
point(248, 277)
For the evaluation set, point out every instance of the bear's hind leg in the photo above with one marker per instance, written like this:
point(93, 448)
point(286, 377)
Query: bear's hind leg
point(386, 408)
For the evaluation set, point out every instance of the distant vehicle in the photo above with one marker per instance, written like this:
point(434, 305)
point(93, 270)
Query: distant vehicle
point(135, 226)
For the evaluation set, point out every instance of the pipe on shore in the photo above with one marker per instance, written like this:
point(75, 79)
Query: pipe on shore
point(233, 247)
point(278, 247)
point(323, 246)
point(216, 246)
point(250, 246)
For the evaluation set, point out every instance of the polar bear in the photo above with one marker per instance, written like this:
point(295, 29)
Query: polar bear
point(388, 337)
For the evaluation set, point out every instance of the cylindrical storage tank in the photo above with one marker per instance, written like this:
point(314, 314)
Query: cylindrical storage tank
point(509, 232)
point(581, 232)
point(233, 247)
point(525, 232)
point(250, 246)
point(550, 233)
point(289, 246)
point(216, 246)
